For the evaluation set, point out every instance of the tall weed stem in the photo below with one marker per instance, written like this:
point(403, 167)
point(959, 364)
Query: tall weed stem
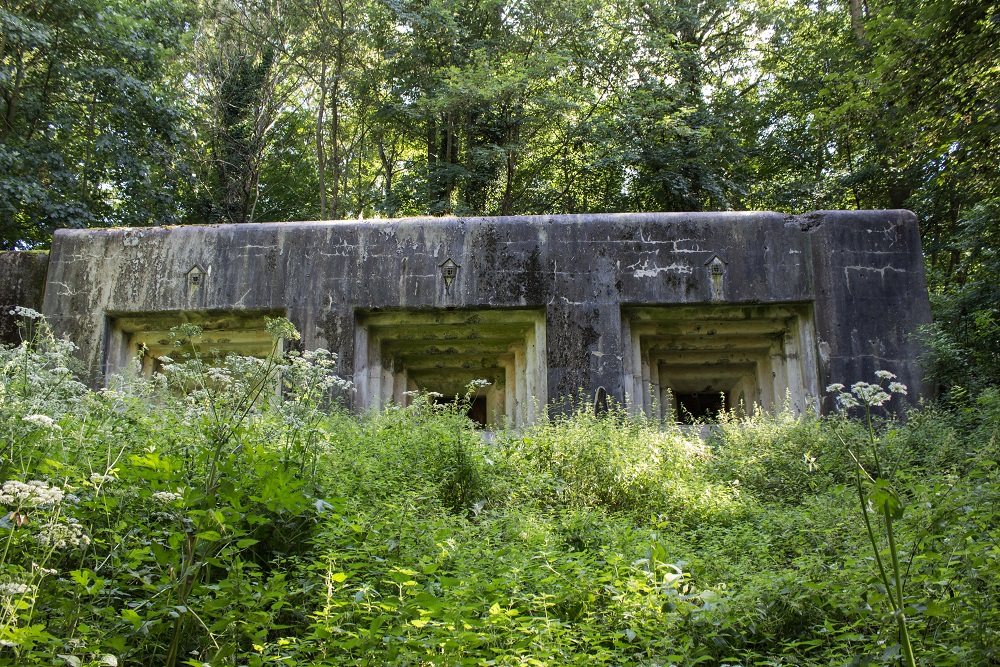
point(881, 496)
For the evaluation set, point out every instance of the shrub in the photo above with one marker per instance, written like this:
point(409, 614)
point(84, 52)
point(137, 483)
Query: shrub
point(784, 457)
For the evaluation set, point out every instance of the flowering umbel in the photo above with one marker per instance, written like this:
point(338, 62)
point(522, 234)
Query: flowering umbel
point(867, 394)
point(29, 494)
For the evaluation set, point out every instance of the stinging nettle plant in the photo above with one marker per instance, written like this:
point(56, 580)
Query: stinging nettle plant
point(880, 503)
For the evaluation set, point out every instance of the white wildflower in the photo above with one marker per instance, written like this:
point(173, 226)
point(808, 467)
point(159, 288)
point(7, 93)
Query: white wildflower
point(478, 383)
point(43, 570)
point(280, 327)
point(870, 394)
point(846, 401)
point(61, 535)
point(29, 494)
point(885, 375)
point(41, 421)
point(166, 497)
point(97, 479)
point(835, 388)
point(897, 388)
point(12, 589)
point(319, 357)
point(26, 313)
point(220, 375)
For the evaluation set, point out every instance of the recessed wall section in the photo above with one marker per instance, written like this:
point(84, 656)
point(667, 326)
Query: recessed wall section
point(397, 352)
point(690, 361)
point(146, 336)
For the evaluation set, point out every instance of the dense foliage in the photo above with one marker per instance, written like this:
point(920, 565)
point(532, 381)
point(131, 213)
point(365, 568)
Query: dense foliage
point(202, 518)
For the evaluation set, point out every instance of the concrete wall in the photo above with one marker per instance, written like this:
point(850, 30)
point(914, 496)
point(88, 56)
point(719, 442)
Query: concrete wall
point(861, 272)
point(22, 283)
point(871, 293)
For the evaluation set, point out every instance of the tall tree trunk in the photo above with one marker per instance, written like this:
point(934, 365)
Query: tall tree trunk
point(320, 143)
point(850, 170)
point(335, 139)
point(507, 201)
point(10, 100)
point(389, 171)
point(335, 115)
point(432, 163)
point(449, 148)
point(858, 21)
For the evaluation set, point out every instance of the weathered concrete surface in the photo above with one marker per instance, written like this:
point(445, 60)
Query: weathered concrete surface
point(871, 295)
point(22, 283)
point(861, 272)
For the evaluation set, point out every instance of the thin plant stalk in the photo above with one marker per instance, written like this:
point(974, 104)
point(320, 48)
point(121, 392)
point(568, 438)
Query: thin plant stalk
point(868, 396)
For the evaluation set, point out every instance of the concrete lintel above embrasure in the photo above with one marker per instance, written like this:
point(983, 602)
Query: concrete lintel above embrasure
point(699, 357)
point(711, 328)
point(686, 313)
point(448, 381)
point(412, 318)
point(450, 332)
point(208, 320)
point(723, 343)
point(444, 362)
point(710, 370)
point(413, 349)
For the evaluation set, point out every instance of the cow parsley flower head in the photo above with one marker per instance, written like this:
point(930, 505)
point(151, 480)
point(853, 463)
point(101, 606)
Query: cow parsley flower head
point(867, 394)
point(41, 421)
point(871, 395)
point(11, 589)
point(846, 401)
point(186, 331)
point(64, 534)
point(166, 497)
point(280, 327)
point(26, 313)
point(29, 494)
point(43, 571)
point(220, 376)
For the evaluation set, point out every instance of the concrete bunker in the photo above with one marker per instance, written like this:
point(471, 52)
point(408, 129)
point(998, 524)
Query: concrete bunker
point(146, 336)
point(767, 304)
point(688, 362)
point(442, 351)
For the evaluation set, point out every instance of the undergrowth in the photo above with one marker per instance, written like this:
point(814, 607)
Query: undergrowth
point(207, 518)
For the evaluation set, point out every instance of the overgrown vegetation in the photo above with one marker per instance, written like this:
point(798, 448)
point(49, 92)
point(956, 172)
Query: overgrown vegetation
point(201, 518)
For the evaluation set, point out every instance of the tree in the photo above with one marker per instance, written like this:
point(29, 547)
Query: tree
point(88, 136)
